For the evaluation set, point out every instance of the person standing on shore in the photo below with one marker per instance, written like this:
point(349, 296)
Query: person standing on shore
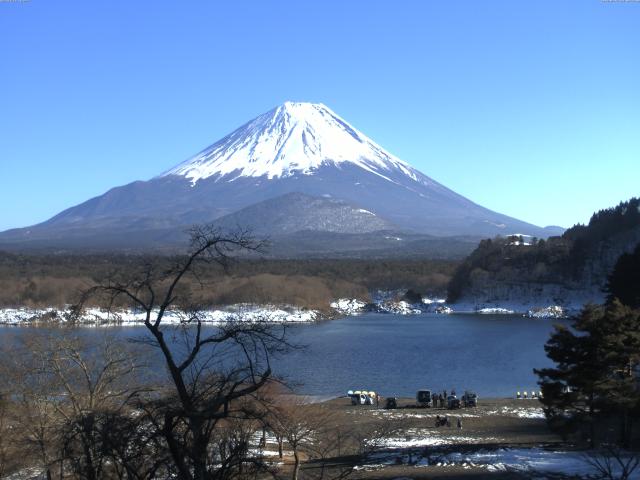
point(459, 423)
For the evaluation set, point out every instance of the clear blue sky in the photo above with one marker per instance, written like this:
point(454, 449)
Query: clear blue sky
point(528, 108)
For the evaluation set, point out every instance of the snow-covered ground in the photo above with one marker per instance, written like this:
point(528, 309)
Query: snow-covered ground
point(400, 415)
point(552, 311)
point(399, 308)
point(521, 412)
point(346, 306)
point(426, 437)
point(384, 304)
point(536, 462)
point(533, 411)
point(96, 316)
point(352, 306)
point(526, 460)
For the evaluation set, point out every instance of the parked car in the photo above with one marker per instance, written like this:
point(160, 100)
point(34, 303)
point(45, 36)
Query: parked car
point(391, 403)
point(453, 402)
point(424, 398)
point(470, 399)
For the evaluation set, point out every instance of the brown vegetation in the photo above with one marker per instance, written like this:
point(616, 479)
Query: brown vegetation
point(57, 280)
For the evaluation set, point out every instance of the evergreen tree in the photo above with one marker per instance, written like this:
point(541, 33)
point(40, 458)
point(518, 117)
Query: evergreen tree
point(595, 373)
point(624, 281)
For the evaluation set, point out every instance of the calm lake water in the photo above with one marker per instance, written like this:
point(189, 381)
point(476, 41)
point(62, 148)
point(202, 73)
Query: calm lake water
point(397, 355)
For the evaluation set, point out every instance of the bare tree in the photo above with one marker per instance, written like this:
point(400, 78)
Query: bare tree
point(210, 370)
point(62, 389)
point(300, 424)
point(33, 411)
point(613, 463)
point(98, 386)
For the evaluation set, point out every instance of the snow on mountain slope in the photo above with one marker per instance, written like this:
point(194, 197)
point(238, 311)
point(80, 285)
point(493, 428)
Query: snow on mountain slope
point(250, 175)
point(291, 138)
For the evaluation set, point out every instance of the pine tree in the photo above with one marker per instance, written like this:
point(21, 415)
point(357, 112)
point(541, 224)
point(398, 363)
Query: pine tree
point(622, 347)
point(624, 281)
point(595, 373)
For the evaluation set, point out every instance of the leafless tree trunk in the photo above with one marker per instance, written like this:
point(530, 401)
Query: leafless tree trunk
point(299, 423)
point(205, 386)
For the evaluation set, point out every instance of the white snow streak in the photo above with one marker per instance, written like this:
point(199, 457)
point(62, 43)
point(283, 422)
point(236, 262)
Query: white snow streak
point(292, 138)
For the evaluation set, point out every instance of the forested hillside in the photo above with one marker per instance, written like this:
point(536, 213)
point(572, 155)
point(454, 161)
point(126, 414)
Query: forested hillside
point(56, 280)
point(570, 268)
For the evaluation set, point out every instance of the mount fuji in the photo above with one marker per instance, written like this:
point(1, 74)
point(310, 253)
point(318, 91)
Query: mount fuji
point(292, 171)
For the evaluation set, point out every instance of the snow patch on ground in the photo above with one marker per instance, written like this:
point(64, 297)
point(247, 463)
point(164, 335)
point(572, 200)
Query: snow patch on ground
point(399, 308)
point(534, 462)
point(96, 316)
point(523, 412)
point(428, 437)
point(399, 415)
point(387, 302)
point(525, 460)
point(552, 311)
point(347, 306)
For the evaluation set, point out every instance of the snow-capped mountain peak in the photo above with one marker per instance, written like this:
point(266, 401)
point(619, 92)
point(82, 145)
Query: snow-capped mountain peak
point(294, 138)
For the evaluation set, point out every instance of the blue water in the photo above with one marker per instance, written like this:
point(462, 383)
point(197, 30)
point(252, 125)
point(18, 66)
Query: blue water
point(397, 355)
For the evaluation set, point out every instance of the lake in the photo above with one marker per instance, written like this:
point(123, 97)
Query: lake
point(397, 355)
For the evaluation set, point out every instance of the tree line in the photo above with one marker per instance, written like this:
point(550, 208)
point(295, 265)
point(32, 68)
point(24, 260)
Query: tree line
point(38, 280)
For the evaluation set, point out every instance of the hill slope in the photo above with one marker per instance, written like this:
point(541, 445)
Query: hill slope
point(571, 269)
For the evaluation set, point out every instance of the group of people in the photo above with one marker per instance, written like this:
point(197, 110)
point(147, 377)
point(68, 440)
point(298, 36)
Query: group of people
point(445, 422)
point(440, 399)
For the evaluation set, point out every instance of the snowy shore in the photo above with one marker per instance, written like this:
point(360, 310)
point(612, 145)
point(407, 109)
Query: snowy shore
point(281, 314)
point(96, 316)
point(347, 307)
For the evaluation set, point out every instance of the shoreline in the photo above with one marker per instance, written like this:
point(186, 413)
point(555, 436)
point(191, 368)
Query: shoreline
point(276, 314)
